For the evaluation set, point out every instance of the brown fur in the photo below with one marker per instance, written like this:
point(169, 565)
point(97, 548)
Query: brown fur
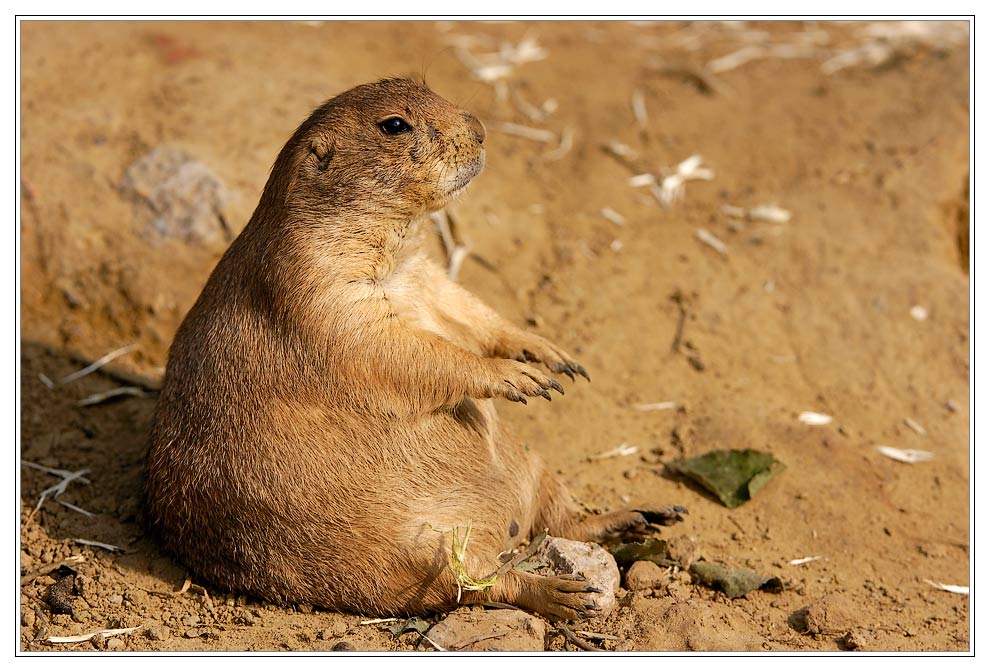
point(326, 419)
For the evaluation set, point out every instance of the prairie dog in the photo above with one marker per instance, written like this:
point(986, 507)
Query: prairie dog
point(326, 422)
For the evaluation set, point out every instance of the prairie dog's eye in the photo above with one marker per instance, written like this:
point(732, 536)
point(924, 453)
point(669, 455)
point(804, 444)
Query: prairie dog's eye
point(394, 126)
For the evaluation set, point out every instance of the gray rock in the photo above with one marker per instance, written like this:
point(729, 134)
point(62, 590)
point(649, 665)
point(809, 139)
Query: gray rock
point(177, 197)
point(495, 630)
point(564, 556)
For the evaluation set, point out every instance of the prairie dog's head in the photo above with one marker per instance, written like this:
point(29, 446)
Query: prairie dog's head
point(394, 148)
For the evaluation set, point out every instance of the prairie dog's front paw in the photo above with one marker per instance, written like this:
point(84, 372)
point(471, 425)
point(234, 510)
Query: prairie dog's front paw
point(516, 381)
point(526, 347)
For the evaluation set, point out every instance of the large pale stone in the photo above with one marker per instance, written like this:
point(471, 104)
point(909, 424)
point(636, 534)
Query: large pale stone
point(492, 630)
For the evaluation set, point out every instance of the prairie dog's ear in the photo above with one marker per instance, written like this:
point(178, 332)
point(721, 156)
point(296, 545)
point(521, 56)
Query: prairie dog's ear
point(318, 157)
point(322, 148)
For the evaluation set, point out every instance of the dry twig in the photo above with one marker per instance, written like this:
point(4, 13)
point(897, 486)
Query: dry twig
point(575, 640)
point(109, 357)
point(45, 570)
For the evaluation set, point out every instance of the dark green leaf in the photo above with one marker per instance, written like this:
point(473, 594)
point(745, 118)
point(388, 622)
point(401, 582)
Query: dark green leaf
point(654, 550)
point(733, 476)
point(415, 624)
point(733, 582)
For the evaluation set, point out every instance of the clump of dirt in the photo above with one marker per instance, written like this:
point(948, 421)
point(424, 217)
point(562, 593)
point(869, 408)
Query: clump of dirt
point(812, 312)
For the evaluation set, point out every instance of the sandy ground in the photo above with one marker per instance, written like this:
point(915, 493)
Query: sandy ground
point(809, 314)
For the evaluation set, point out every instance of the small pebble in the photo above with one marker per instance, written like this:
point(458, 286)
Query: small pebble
point(645, 575)
point(343, 646)
point(114, 644)
point(919, 313)
point(192, 633)
point(158, 633)
point(679, 591)
point(115, 599)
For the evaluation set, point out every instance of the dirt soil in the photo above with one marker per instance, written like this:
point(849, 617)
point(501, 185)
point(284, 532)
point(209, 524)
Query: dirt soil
point(809, 314)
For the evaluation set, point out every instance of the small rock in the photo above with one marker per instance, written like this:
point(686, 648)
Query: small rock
point(683, 550)
point(115, 599)
point(331, 632)
point(135, 595)
point(679, 591)
point(597, 565)
point(192, 633)
point(497, 630)
point(245, 618)
point(191, 619)
point(343, 646)
point(177, 196)
point(854, 640)
point(28, 618)
point(684, 577)
point(114, 644)
point(645, 575)
point(827, 617)
point(158, 633)
point(305, 608)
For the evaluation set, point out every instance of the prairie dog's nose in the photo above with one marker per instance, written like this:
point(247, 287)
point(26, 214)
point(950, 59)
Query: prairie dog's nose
point(477, 128)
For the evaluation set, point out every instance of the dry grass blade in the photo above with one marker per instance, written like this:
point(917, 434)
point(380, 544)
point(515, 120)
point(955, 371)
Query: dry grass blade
point(458, 552)
point(804, 561)
point(638, 104)
point(378, 621)
point(909, 455)
point(658, 406)
point(949, 588)
point(711, 241)
point(46, 381)
point(185, 586)
point(527, 132)
point(456, 252)
point(100, 397)
point(612, 216)
point(58, 488)
point(535, 114)
point(622, 450)
point(53, 471)
point(100, 544)
point(461, 252)
point(565, 146)
point(45, 570)
point(77, 509)
point(432, 643)
point(109, 357)
point(814, 419)
point(75, 639)
point(913, 424)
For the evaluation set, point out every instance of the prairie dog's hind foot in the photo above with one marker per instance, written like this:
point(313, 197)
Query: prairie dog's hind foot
point(563, 597)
